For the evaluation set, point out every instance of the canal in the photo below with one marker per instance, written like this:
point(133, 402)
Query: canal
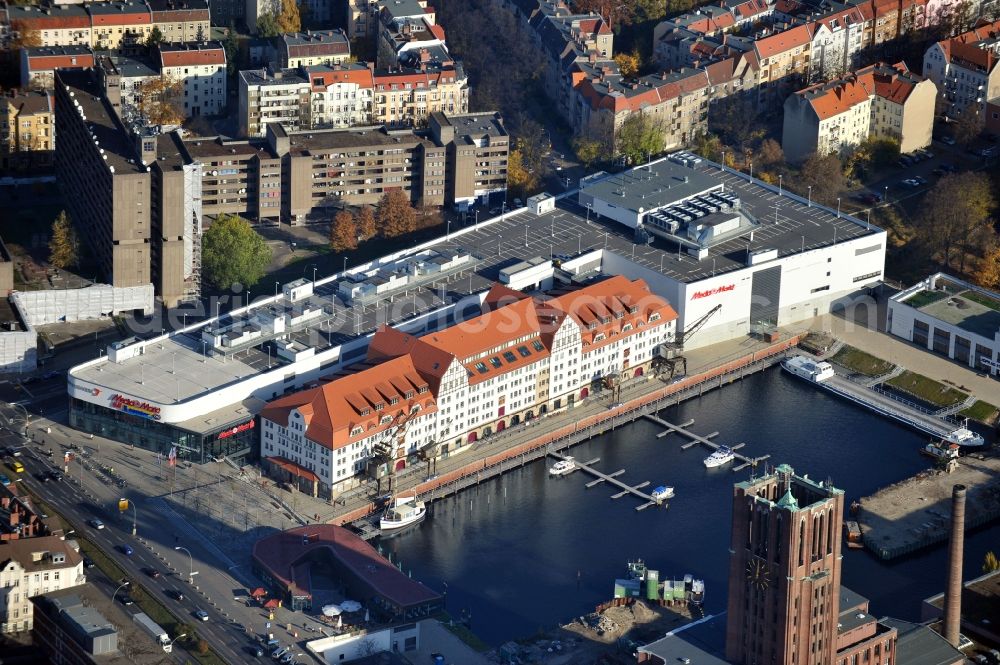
point(526, 551)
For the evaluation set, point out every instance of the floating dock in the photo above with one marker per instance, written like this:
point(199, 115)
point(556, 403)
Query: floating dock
point(611, 478)
point(705, 440)
point(888, 406)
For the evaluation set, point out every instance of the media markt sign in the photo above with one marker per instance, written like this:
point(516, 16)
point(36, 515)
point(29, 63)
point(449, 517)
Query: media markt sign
point(712, 292)
point(135, 407)
point(233, 431)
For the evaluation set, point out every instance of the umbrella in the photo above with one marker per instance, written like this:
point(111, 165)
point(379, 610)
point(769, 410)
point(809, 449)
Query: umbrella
point(331, 610)
point(350, 606)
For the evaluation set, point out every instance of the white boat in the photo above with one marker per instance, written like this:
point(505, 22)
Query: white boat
point(807, 368)
point(403, 512)
point(964, 437)
point(662, 493)
point(722, 455)
point(562, 467)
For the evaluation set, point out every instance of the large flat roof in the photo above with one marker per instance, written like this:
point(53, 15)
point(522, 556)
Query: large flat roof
point(494, 244)
point(702, 642)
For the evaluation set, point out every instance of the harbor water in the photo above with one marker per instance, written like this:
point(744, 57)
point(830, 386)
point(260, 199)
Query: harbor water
point(525, 551)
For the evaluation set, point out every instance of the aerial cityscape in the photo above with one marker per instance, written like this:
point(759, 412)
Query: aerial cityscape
point(497, 332)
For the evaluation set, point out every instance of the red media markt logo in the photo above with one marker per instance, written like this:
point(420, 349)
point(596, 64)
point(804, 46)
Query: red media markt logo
point(711, 292)
point(95, 392)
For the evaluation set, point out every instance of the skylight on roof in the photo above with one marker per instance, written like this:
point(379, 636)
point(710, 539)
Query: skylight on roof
point(481, 368)
point(496, 362)
point(538, 346)
point(509, 356)
point(523, 350)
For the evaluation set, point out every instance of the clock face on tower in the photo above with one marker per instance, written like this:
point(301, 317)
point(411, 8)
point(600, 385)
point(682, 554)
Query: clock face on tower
point(757, 574)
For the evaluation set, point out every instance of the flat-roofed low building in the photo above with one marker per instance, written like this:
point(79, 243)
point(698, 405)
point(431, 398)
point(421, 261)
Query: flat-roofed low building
point(950, 317)
point(313, 47)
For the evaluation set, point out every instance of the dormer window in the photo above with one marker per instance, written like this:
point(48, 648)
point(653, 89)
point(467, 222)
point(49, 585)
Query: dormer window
point(633, 309)
point(409, 394)
point(393, 400)
point(655, 316)
point(356, 430)
point(592, 325)
point(366, 412)
point(423, 389)
point(385, 420)
point(379, 406)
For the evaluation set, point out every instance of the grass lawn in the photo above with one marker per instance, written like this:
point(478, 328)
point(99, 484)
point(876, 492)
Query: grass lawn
point(861, 362)
point(985, 301)
point(922, 298)
point(926, 389)
point(982, 411)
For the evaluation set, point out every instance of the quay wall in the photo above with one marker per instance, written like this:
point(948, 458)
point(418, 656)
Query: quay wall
point(589, 427)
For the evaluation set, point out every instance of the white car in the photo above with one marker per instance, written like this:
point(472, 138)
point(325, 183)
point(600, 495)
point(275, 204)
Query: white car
point(96, 523)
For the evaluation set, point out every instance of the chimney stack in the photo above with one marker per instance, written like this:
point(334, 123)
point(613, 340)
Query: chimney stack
point(953, 593)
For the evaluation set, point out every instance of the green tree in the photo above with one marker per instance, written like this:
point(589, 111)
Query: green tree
point(343, 232)
point(708, 145)
point(954, 220)
point(64, 246)
point(267, 25)
point(990, 563)
point(366, 223)
point(233, 253)
point(628, 63)
point(232, 46)
point(639, 138)
point(395, 214)
point(588, 151)
point(155, 37)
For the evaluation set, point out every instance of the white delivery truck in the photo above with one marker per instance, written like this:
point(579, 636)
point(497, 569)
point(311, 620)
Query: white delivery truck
point(153, 629)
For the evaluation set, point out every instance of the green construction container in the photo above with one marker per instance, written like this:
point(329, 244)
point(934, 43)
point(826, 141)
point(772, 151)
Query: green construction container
point(678, 591)
point(652, 584)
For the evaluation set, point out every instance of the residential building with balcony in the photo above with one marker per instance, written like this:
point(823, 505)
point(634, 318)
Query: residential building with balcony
point(964, 69)
point(57, 25)
point(313, 47)
point(201, 67)
point(405, 97)
point(341, 95)
point(281, 96)
point(879, 101)
point(119, 24)
point(435, 394)
point(33, 566)
point(122, 78)
point(182, 20)
point(477, 150)
point(27, 130)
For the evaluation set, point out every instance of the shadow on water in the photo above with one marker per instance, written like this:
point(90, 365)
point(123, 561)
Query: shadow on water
point(526, 551)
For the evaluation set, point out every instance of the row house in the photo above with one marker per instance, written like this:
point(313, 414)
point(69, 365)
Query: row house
point(680, 38)
point(201, 67)
point(33, 566)
point(433, 396)
point(111, 25)
point(879, 101)
point(838, 38)
point(350, 95)
point(27, 130)
point(784, 59)
point(313, 47)
point(400, 40)
point(676, 101)
point(39, 63)
point(964, 69)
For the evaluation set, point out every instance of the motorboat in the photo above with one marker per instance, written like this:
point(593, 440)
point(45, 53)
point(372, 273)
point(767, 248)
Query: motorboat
point(662, 493)
point(403, 512)
point(852, 533)
point(941, 450)
point(816, 371)
point(562, 467)
point(722, 455)
point(965, 437)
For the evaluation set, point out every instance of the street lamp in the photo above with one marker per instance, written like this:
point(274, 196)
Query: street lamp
point(276, 285)
point(171, 642)
point(190, 563)
point(123, 584)
point(810, 196)
point(779, 184)
point(838, 207)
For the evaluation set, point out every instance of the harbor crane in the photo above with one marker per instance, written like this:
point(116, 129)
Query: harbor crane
point(671, 360)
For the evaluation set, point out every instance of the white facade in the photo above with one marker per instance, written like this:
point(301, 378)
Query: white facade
point(348, 647)
point(970, 345)
point(264, 99)
point(31, 567)
point(345, 104)
point(204, 87)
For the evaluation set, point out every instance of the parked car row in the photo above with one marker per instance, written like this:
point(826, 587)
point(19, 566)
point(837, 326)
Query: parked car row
point(915, 157)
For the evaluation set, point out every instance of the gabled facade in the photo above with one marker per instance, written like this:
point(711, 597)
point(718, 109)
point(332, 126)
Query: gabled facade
point(436, 394)
point(964, 69)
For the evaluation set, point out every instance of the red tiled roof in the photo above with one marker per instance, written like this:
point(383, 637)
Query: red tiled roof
point(283, 554)
point(293, 468)
point(361, 76)
point(192, 57)
point(52, 22)
point(42, 63)
point(137, 17)
point(437, 31)
point(784, 41)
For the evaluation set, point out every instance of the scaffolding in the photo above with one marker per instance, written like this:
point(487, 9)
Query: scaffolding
point(192, 230)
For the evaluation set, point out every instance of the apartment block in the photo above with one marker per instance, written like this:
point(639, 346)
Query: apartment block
point(436, 394)
point(964, 69)
point(33, 566)
point(111, 25)
point(313, 47)
point(400, 40)
point(201, 66)
point(363, 17)
point(477, 150)
point(182, 20)
point(319, 96)
point(122, 78)
point(281, 96)
point(237, 177)
point(38, 64)
point(27, 130)
point(879, 101)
